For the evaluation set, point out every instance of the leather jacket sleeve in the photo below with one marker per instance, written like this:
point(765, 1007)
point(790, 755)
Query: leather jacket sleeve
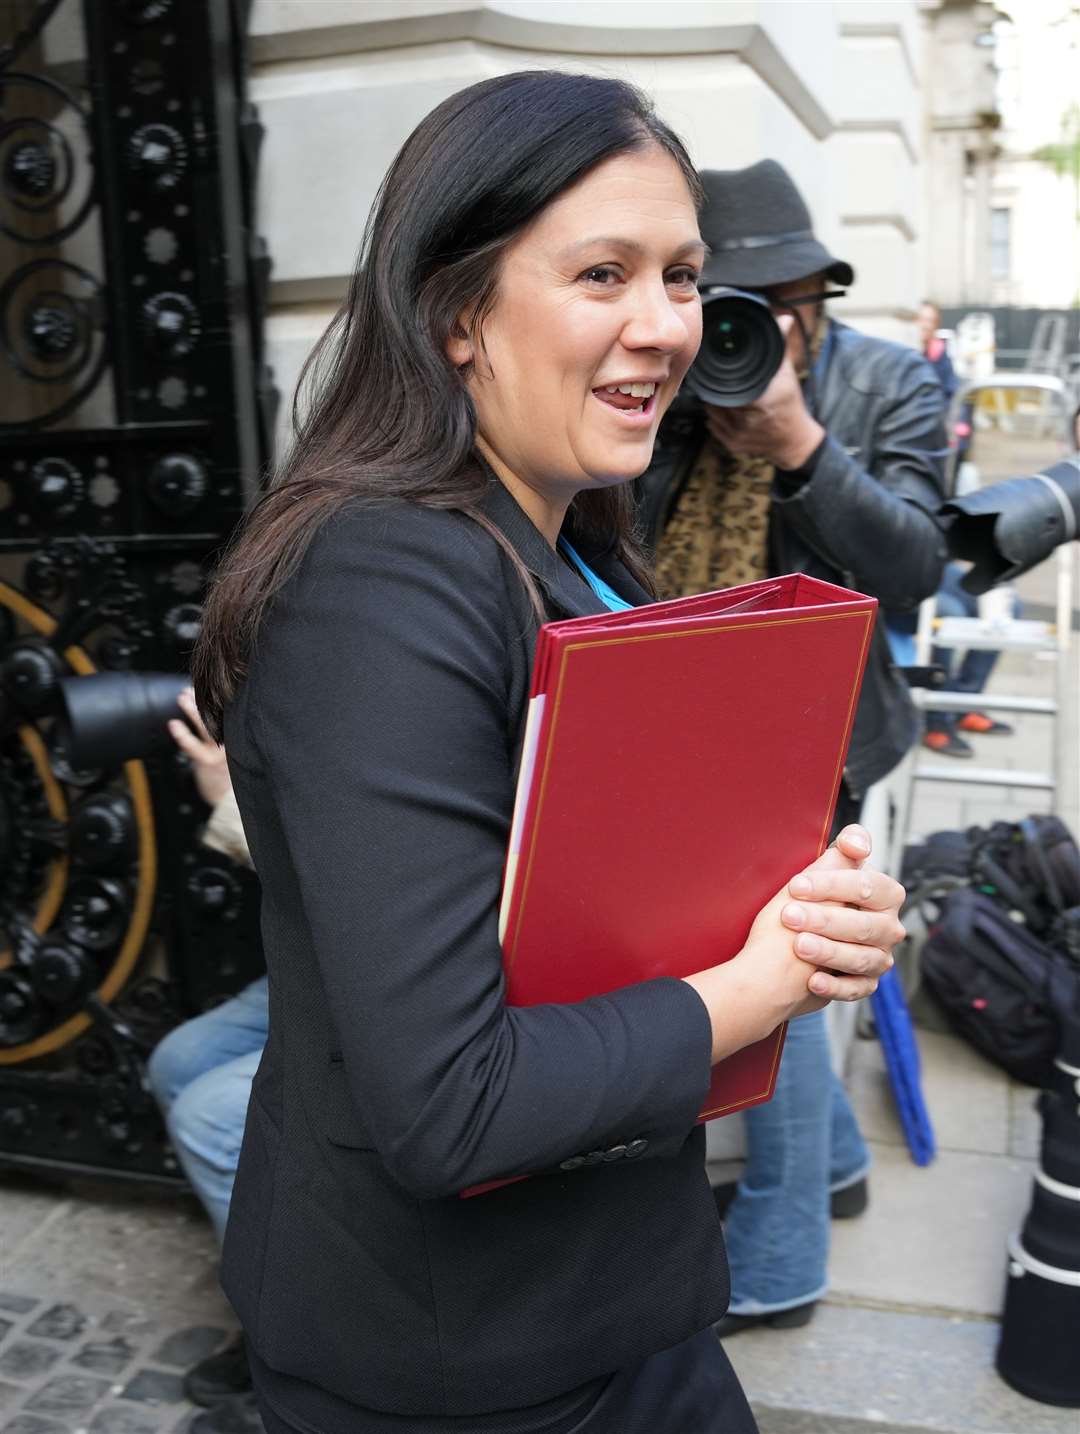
point(875, 523)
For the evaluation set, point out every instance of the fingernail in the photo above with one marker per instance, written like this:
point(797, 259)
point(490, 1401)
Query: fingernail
point(800, 886)
point(819, 985)
point(793, 915)
point(857, 839)
point(807, 945)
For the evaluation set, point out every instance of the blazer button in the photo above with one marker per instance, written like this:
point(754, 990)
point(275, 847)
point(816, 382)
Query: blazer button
point(594, 1157)
point(636, 1148)
point(615, 1153)
point(574, 1163)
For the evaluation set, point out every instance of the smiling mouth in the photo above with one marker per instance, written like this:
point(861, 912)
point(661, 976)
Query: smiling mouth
point(630, 398)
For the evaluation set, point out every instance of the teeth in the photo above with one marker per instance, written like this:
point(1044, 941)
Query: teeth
point(635, 390)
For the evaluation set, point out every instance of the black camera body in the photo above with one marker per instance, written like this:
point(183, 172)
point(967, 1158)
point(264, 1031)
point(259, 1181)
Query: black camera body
point(741, 348)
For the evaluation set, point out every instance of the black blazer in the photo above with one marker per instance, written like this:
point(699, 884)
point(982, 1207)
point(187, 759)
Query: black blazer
point(373, 750)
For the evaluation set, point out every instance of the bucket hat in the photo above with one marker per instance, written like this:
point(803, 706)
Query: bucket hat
point(759, 230)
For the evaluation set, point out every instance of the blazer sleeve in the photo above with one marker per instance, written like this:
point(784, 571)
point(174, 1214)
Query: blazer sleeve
point(379, 701)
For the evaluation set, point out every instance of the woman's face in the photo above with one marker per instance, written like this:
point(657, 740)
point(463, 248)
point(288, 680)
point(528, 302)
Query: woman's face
point(598, 294)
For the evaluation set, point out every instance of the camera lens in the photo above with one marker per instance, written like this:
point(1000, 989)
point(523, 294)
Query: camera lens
point(741, 348)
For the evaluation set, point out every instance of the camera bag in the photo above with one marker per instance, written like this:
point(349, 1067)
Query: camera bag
point(1001, 986)
point(1033, 866)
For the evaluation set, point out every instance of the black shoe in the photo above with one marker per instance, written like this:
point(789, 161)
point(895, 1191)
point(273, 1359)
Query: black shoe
point(219, 1376)
point(852, 1200)
point(723, 1195)
point(843, 1204)
point(948, 744)
point(984, 725)
point(239, 1415)
point(793, 1318)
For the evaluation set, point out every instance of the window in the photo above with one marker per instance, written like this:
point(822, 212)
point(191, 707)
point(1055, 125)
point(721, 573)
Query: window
point(1000, 235)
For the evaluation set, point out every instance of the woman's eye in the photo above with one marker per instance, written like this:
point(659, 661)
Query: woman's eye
point(602, 274)
point(684, 278)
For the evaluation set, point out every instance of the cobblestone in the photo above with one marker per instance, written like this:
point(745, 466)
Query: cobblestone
point(84, 1368)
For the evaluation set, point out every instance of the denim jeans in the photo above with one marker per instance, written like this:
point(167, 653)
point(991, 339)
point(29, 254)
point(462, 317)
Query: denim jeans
point(201, 1076)
point(801, 1146)
point(977, 663)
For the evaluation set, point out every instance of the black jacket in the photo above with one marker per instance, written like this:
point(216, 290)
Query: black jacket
point(863, 519)
point(373, 750)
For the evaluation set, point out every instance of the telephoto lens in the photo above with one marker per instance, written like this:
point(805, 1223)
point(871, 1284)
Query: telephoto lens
point(112, 717)
point(1007, 528)
point(741, 348)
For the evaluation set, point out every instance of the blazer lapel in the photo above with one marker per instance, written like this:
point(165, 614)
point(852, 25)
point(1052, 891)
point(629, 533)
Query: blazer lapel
point(567, 593)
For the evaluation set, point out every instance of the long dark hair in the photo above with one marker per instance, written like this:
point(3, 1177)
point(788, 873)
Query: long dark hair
point(380, 410)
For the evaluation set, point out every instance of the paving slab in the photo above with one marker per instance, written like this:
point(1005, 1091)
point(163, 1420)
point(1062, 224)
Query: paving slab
point(27, 1207)
point(144, 1250)
point(934, 1236)
point(857, 1370)
point(969, 1100)
point(1025, 1127)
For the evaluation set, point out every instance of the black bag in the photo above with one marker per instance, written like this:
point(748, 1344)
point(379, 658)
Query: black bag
point(1033, 866)
point(1004, 989)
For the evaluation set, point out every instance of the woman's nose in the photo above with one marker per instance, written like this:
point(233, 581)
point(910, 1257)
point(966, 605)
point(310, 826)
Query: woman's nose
point(656, 323)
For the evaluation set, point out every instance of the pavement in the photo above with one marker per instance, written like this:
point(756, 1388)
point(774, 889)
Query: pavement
point(107, 1294)
point(905, 1340)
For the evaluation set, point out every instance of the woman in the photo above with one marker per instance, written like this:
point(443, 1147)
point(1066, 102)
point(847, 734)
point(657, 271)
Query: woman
point(523, 313)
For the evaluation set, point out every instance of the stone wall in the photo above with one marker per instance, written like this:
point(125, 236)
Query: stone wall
point(831, 90)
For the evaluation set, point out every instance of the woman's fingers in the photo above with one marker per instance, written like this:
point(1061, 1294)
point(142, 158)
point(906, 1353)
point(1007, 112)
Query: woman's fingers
point(854, 842)
point(860, 926)
point(842, 988)
point(872, 890)
point(843, 958)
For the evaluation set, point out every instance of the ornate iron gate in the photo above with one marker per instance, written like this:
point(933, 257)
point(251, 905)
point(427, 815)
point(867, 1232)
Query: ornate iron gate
point(135, 421)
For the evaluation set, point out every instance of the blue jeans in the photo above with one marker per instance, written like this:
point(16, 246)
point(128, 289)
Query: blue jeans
point(977, 663)
point(801, 1146)
point(201, 1076)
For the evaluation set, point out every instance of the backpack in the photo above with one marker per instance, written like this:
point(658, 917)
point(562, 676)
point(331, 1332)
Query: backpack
point(1003, 988)
point(1033, 866)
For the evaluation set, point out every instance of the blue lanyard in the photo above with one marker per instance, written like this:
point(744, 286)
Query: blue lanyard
point(607, 594)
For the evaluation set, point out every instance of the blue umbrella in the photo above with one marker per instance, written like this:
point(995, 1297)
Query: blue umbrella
point(897, 1036)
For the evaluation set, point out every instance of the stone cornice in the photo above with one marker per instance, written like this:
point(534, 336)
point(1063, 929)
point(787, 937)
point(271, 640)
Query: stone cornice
point(553, 27)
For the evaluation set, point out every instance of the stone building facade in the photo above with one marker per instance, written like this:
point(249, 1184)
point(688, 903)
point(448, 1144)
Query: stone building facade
point(831, 90)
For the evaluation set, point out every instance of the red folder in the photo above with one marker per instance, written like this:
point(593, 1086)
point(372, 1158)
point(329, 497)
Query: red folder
point(681, 762)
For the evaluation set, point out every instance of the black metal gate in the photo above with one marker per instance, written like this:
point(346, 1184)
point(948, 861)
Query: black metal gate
point(136, 417)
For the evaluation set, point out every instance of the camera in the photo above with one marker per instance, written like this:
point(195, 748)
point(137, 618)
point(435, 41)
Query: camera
point(1008, 528)
point(741, 348)
point(112, 717)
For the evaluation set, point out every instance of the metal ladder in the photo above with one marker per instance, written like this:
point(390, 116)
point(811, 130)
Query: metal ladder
point(1009, 635)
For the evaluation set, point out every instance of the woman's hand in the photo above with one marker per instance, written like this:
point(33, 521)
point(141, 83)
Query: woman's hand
point(827, 935)
point(847, 920)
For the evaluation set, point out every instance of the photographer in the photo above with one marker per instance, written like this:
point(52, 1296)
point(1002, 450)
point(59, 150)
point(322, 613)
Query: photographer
point(201, 1076)
point(835, 471)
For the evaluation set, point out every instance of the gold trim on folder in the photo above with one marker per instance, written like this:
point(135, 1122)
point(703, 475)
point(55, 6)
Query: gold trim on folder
point(696, 631)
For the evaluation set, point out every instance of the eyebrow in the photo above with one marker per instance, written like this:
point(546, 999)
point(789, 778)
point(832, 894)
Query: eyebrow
point(632, 246)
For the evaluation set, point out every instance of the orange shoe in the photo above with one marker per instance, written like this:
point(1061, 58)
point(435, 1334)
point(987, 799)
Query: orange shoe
point(948, 744)
point(982, 724)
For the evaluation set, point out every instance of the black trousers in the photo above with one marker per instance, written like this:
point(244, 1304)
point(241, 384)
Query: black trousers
point(690, 1389)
